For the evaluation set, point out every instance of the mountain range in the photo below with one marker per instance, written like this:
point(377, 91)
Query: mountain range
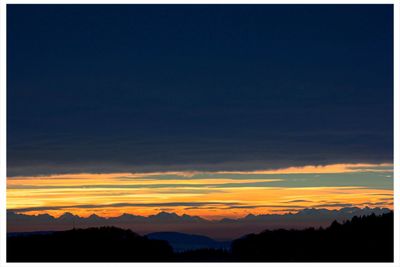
point(221, 230)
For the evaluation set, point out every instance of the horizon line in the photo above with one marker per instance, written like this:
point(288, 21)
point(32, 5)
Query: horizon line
point(194, 216)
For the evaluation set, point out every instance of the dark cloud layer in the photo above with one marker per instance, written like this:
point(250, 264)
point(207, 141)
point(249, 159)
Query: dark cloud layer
point(165, 87)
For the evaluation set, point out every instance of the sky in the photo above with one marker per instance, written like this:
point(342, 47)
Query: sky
point(204, 109)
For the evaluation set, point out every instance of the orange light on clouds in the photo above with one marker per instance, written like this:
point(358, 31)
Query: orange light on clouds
point(211, 197)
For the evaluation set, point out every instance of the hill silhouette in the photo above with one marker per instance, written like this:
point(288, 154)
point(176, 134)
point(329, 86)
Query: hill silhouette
point(104, 244)
point(361, 239)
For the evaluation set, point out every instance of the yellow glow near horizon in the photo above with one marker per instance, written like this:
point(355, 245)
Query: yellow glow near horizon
point(211, 197)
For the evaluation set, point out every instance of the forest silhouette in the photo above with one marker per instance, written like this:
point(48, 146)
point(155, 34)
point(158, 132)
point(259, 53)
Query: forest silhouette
point(361, 239)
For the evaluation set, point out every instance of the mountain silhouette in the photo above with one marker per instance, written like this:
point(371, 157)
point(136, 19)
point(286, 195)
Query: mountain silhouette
point(223, 229)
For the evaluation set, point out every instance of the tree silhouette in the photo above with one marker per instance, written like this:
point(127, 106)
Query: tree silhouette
point(363, 239)
point(104, 244)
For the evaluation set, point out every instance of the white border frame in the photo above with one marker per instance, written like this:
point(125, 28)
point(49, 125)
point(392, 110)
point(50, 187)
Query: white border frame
point(3, 120)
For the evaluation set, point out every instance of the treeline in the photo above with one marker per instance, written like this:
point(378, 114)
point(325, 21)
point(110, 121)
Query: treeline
point(361, 239)
point(104, 244)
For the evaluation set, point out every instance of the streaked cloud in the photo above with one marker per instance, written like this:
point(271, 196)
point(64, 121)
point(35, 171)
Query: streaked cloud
point(121, 205)
point(208, 194)
point(333, 168)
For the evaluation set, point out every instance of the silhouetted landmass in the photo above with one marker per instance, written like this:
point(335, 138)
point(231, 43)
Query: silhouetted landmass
point(361, 239)
point(205, 255)
point(104, 244)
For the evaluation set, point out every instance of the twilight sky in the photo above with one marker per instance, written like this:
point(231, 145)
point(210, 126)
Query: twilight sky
point(218, 89)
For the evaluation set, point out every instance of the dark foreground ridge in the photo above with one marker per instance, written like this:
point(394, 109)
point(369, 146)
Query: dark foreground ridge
point(361, 239)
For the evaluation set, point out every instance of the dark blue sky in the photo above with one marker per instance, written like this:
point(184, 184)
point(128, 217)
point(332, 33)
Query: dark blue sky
point(159, 87)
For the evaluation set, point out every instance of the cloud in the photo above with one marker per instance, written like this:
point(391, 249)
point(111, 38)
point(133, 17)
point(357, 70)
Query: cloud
point(326, 205)
point(214, 99)
point(109, 194)
point(119, 205)
point(346, 175)
point(297, 200)
point(332, 168)
point(262, 206)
